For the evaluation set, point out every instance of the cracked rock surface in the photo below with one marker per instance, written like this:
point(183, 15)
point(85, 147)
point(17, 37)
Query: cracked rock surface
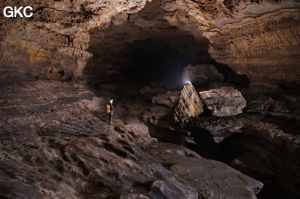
point(54, 144)
point(210, 178)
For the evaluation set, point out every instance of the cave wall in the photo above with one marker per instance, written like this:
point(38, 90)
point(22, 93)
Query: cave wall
point(127, 41)
point(52, 44)
point(259, 39)
point(266, 48)
point(255, 38)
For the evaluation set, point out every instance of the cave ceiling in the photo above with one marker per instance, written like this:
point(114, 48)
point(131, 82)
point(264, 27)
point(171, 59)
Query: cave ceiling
point(145, 39)
point(254, 38)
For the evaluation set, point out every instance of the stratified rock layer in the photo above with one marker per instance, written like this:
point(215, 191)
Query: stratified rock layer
point(225, 101)
point(259, 39)
point(56, 142)
point(264, 48)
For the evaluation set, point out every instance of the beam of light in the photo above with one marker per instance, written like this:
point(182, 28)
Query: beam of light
point(187, 82)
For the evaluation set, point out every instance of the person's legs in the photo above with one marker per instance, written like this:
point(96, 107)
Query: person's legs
point(110, 115)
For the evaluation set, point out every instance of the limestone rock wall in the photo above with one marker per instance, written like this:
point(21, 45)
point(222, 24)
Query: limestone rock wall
point(255, 38)
point(52, 43)
point(266, 48)
point(145, 35)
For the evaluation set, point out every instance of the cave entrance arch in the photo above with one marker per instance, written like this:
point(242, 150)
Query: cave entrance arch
point(143, 47)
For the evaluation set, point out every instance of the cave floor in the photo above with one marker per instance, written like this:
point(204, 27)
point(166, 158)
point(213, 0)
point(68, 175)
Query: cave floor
point(57, 133)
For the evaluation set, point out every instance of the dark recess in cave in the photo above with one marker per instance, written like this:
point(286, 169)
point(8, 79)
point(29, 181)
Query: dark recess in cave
point(152, 60)
point(146, 48)
point(157, 65)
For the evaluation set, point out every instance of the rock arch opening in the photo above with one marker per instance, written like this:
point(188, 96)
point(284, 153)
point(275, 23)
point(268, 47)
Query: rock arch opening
point(143, 47)
point(131, 41)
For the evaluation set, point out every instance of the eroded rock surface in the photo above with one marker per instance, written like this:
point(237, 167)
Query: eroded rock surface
point(189, 104)
point(211, 179)
point(225, 101)
point(66, 39)
point(56, 143)
point(169, 99)
point(265, 147)
point(255, 38)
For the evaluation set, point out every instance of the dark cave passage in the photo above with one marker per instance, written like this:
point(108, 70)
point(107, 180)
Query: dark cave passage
point(144, 48)
point(125, 53)
point(157, 65)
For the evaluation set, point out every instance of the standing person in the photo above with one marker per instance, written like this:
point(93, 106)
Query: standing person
point(109, 109)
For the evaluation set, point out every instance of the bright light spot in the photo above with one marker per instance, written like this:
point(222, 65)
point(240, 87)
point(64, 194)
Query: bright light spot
point(187, 82)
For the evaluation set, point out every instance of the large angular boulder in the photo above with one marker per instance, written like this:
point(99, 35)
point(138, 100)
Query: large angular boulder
point(189, 105)
point(225, 101)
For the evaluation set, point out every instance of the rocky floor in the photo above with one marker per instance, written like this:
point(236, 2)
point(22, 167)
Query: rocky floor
point(56, 143)
point(263, 142)
point(53, 145)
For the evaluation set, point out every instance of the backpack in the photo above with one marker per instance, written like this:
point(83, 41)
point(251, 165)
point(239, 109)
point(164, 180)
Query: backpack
point(107, 108)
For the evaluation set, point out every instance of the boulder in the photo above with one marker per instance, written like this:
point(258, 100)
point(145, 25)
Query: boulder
point(188, 73)
point(168, 99)
point(201, 74)
point(225, 101)
point(281, 103)
point(211, 179)
point(189, 105)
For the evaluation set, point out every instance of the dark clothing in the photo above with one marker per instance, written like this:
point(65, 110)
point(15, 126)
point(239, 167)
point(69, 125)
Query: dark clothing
point(111, 107)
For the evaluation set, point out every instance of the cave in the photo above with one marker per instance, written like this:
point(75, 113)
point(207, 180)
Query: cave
point(143, 47)
point(205, 99)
